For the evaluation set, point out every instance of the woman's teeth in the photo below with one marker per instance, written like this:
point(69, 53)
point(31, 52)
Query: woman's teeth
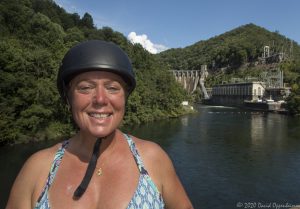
point(99, 115)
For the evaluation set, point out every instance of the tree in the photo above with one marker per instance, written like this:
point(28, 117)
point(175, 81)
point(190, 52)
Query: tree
point(45, 32)
point(87, 21)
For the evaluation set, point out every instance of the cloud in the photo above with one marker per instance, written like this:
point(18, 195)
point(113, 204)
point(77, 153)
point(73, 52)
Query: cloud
point(146, 43)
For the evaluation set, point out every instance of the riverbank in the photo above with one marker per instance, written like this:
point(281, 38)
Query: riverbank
point(263, 106)
point(58, 130)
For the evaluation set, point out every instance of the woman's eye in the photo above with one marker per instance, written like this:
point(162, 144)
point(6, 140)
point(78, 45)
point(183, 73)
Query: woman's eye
point(113, 89)
point(84, 89)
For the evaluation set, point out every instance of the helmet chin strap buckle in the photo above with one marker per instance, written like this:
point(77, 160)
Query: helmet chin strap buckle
point(89, 171)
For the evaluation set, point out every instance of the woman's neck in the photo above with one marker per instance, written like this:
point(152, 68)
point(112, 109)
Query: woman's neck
point(82, 145)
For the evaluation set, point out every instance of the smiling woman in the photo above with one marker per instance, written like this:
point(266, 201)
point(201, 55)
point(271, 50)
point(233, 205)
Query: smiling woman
point(97, 99)
point(99, 167)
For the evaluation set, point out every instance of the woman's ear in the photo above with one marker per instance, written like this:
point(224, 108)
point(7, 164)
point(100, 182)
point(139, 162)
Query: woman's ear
point(68, 104)
point(68, 99)
point(68, 96)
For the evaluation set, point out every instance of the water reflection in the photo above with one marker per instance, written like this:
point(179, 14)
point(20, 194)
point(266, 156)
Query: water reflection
point(257, 129)
point(269, 129)
point(185, 121)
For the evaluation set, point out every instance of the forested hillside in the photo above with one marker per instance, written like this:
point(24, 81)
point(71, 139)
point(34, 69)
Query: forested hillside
point(236, 53)
point(35, 34)
point(231, 49)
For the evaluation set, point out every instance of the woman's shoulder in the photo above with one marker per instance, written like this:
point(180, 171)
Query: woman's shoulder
point(149, 148)
point(153, 155)
point(39, 163)
point(156, 161)
point(31, 176)
point(42, 157)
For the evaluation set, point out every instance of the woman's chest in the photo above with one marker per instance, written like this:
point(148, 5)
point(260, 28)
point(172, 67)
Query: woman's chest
point(111, 186)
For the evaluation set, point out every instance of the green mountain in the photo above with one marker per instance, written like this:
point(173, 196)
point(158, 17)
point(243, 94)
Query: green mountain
point(232, 50)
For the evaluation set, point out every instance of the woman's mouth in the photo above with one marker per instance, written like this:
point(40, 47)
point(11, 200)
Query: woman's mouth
point(100, 115)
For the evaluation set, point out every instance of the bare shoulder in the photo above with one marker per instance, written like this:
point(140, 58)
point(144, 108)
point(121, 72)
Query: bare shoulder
point(41, 159)
point(156, 160)
point(151, 150)
point(32, 175)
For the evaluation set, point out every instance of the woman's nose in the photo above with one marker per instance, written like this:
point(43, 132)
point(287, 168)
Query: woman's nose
point(100, 97)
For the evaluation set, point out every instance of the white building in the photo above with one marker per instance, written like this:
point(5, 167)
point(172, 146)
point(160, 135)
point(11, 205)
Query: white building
point(236, 93)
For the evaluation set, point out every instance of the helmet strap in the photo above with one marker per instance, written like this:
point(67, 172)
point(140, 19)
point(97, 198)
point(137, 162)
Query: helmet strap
point(89, 171)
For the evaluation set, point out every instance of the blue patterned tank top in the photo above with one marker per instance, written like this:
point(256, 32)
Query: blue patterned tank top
point(146, 195)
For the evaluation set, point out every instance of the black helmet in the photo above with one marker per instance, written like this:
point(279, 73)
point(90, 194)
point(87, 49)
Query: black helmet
point(94, 55)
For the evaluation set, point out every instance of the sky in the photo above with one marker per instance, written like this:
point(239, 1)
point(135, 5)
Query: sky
point(163, 24)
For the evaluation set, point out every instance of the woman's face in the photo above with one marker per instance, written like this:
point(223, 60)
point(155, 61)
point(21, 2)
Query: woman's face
point(97, 99)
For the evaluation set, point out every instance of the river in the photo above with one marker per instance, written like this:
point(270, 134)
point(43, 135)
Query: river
point(226, 158)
